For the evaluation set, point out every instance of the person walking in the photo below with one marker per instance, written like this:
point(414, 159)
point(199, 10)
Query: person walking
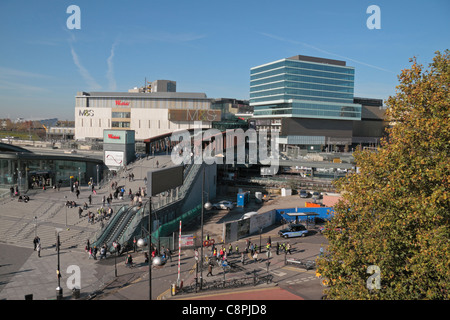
point(38, 249)
point(35, 242)
point(94, 252)
point(90, 199)
point(288, 248)
point(210, 268)
point(242, 258)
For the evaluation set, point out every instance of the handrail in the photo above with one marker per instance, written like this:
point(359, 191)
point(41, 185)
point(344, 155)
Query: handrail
point(104, 232)
point(125, 227)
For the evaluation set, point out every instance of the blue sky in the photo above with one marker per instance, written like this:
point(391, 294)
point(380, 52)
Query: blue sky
point(204, 45)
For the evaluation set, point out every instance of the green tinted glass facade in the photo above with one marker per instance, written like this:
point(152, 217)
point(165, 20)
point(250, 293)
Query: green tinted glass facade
point(306, 89)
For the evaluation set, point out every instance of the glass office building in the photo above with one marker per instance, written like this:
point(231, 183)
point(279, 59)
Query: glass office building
point(304, 87)
point(309, 100)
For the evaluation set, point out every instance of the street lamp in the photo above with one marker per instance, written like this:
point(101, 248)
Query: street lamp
point(206, 206)
point(115, 258)
point(35, 226)
point(59, 290)
point(65, 204)
point(97, 176)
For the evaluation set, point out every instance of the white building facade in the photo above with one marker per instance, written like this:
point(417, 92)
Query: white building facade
point(149, 114)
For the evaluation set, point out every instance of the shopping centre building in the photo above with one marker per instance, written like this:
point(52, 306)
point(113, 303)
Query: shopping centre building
point(25, 169)
point(149, 114)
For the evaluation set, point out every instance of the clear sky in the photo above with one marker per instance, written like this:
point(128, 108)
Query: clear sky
point(204, 45)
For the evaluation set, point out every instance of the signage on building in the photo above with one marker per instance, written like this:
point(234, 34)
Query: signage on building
point(194, 115)
point(119, 136)
point(122, 103)
point(86, 113)
point(113, 158)
point(112, 136)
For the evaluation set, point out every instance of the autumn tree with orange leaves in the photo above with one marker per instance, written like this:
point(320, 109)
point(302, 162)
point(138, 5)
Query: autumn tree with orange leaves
point(395, 212)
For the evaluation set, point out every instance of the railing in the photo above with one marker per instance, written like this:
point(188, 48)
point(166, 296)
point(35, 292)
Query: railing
point(120, 226)
point(254, 280)
point(101, 235)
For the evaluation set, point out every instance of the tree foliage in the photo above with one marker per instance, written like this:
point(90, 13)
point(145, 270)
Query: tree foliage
point(395, 212)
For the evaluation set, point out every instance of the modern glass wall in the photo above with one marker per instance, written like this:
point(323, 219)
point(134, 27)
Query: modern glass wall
point(27, 173)
point(308, 109)
point(304, 89)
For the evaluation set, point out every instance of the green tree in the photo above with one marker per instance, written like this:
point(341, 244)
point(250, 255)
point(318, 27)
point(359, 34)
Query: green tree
point(395, 211)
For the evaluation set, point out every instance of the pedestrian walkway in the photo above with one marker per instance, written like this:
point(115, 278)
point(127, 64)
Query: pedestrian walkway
point(45, 215)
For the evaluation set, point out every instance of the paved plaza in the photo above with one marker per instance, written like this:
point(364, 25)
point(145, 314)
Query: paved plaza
point(23, 273)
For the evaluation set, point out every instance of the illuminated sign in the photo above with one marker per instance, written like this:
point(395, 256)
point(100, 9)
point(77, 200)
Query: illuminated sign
point(122, 103)
point(194, 115)
point(86, 113)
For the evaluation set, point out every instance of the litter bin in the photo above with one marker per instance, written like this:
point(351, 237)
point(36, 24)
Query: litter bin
point(28, 297)
point(76, 293)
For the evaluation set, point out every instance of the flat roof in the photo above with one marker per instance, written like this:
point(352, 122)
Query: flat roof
point(148, 95)
point(318, 60)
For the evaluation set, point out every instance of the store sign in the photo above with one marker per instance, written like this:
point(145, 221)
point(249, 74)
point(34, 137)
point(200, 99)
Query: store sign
point(122, 103)
point(112, 136)
point(194, 115)
point(86, 113)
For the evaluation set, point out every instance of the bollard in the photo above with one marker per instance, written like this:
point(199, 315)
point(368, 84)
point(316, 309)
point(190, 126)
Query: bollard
point(59, 293)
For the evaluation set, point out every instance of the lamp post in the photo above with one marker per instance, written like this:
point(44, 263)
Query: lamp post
point(97, 175)
point(115, 258)
point(59, 290)
point(65, 204)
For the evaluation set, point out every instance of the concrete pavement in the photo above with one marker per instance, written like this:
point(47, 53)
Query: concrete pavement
point(22, 272)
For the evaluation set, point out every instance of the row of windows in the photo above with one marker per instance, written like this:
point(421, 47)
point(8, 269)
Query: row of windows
point(299, 78)
point(123, 115)
point(298, 97)
point(309, 113)
point(310, 109)
point(303, 65)
point(120, 124)
point(290, 84)
point(307, 106)
point(304, 72)
point(303, 92)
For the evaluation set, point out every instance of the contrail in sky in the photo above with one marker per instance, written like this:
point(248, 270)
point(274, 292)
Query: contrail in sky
point(93, 85)
point(324, 51)
point(110, 72)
